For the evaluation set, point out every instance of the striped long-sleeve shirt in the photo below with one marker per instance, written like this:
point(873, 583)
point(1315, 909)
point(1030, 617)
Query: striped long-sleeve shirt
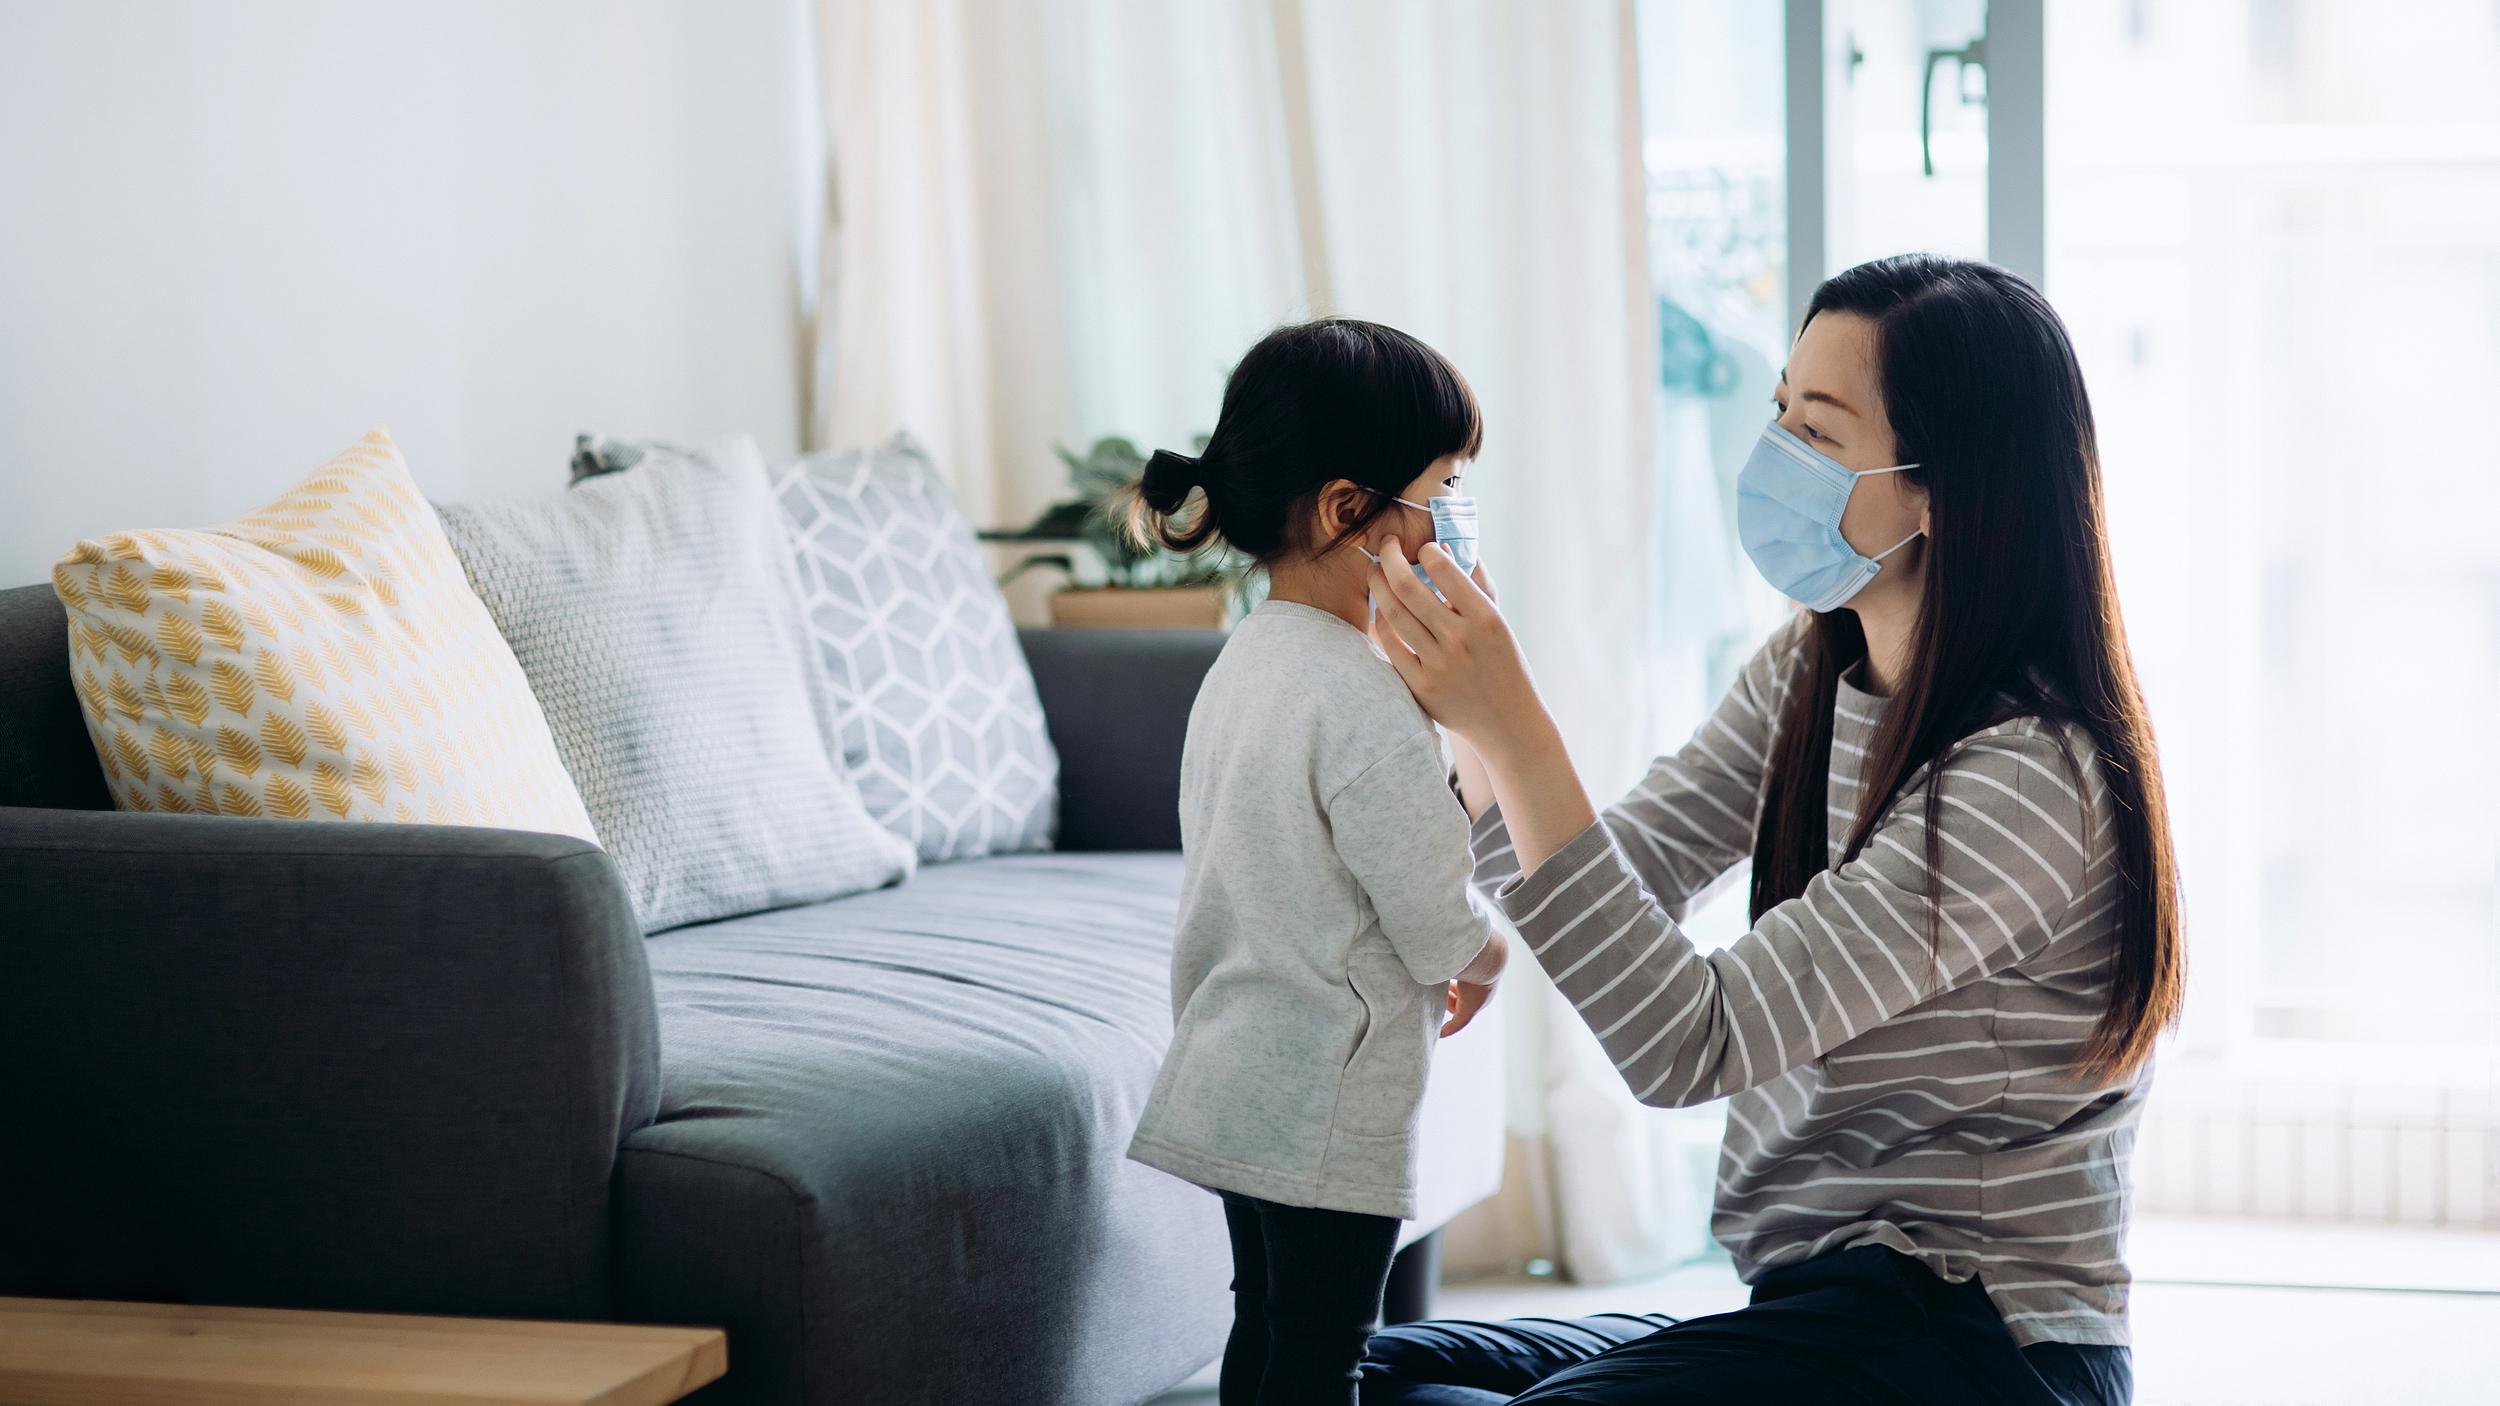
point(1883, 1091)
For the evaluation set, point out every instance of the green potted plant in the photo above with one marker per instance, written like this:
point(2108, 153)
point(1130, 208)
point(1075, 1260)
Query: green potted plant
point(1112, 580)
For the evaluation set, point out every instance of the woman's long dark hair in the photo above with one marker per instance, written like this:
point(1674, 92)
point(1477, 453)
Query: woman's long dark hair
point(2019, 615)
point(1310, 404)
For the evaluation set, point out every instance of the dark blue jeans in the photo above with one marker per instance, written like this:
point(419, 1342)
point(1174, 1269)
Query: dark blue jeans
point(1864, 1327)
point(1306, 1297)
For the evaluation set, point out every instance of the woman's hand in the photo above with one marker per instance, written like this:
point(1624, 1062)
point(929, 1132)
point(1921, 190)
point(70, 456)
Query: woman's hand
point(1463, 666)
point(1458, 659)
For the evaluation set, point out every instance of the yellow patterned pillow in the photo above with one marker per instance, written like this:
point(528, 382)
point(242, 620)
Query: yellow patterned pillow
point(321, 658)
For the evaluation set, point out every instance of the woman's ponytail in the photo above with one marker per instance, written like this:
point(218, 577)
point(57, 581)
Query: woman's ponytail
point(1156, 499)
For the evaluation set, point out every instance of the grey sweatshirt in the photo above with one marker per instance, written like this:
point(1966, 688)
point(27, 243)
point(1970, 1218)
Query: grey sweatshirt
point(1883, 1093)
point(1324, 910)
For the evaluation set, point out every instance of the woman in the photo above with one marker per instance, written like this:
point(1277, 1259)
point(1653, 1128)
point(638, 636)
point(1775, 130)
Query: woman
point(1965, 936)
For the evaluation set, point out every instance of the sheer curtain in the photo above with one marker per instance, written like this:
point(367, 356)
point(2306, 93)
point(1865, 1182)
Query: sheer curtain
point(902, 334)
point(1479, 183)
point(1069, 218)
point(1050, 220)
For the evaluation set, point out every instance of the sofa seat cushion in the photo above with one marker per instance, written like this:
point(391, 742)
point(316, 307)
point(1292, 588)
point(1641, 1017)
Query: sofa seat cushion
point(890, 1155)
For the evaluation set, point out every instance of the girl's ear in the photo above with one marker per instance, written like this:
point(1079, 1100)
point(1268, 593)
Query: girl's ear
point(1340, 503)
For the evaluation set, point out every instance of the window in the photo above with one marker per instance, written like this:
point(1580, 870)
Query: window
point(2274, 229)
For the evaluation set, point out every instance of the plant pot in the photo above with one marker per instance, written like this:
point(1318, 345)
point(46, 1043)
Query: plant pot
point(1150, 608)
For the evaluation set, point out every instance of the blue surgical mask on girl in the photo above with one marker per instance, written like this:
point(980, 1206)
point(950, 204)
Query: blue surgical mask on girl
point(1453, 526)
point(1789, 498)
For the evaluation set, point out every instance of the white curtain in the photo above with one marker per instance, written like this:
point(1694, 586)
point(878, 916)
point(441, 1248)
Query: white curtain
point(1069, 218)
point(902, 336)
point(1479, 183)
point(1051, 220)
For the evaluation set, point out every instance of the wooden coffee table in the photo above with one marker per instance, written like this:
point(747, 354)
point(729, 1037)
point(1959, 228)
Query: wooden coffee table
point(69, 1352)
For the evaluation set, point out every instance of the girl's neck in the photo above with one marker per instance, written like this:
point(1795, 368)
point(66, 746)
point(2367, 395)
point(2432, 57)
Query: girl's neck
point(1333, 583)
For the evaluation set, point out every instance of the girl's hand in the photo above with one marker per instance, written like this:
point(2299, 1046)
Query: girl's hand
point(1466, 998)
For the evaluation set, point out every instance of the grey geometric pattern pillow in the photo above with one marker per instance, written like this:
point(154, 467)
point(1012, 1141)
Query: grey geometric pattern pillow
point(934, 710)
point(653, 613)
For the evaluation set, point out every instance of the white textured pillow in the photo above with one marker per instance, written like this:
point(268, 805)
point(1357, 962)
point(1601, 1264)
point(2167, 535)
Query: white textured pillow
point(934, 711)
point(651, 610)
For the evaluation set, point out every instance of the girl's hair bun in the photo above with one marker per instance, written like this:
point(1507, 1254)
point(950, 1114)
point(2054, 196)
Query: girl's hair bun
point(1310, 404)
point(1167, 481)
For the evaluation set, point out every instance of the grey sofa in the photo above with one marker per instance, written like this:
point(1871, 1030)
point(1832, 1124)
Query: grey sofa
point(438, 1070)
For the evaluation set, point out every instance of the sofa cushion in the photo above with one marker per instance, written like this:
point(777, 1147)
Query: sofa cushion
point(652, 610)
point(934, 710)
point(319, 657)
point(890, 1155)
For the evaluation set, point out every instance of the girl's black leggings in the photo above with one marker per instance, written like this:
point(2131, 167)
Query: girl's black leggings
point(1863, 1327)
point(1306, 1299)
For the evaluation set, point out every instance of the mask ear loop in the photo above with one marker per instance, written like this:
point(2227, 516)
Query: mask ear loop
point(1428, 512)
point(1888, 551)
point(1422, 509)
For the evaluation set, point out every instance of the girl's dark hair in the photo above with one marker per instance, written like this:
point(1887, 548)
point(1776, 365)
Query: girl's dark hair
point(1310, 404)
point(2019, 618)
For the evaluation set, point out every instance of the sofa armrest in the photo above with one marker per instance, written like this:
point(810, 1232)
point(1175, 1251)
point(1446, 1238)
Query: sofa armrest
point(320, 1065)
point(1118, 703)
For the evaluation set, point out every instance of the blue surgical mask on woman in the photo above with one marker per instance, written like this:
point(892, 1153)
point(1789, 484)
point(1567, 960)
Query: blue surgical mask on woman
point(1789, 498)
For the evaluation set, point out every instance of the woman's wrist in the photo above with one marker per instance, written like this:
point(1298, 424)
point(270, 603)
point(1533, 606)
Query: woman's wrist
point(1544, 807)
point(1475, 784)
point(1523, 750)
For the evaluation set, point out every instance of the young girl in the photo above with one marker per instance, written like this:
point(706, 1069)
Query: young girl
point(1325, 920)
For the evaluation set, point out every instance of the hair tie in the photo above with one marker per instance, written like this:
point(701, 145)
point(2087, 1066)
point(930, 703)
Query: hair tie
point(1167, 480)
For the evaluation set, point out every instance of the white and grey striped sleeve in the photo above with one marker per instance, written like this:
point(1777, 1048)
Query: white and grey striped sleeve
point(1846, 955)
point(1692, 818)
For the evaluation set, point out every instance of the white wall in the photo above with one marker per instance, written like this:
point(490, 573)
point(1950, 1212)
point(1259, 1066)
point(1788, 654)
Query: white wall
point(235, 236)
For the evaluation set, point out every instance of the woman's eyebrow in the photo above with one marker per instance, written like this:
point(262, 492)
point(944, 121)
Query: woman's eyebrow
point(1831, 400)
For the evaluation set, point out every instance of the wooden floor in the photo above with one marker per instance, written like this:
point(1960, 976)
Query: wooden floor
point(60, 1352)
